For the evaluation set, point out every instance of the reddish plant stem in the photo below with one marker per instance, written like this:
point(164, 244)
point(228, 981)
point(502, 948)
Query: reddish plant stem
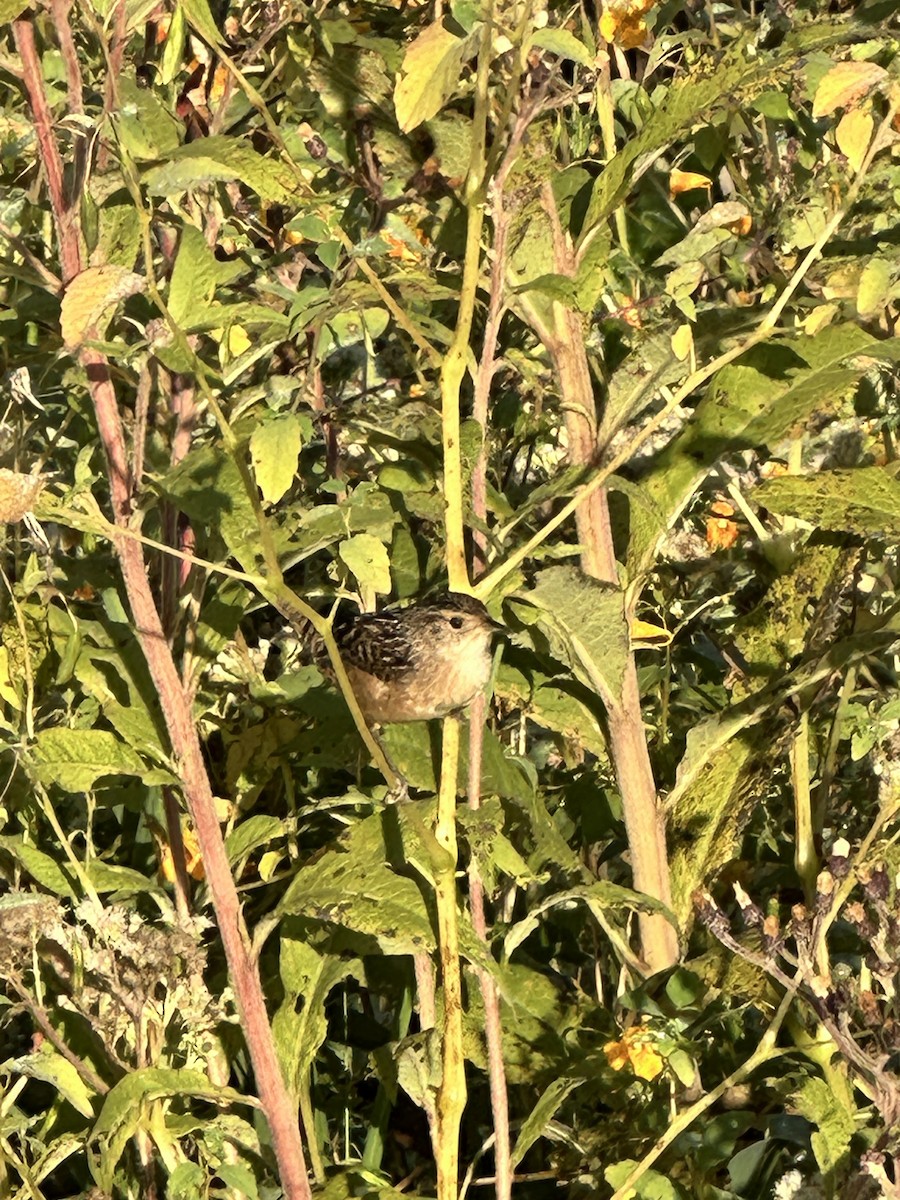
point(644, 820)
point(74, 96)
point(114, 62)
point(176, 709)
point(493, 1027)
point(69, 255)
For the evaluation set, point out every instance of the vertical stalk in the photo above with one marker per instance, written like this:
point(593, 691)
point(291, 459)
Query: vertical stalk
point(493, 1028)
point(451, 1097)
point(805, 857)
point(174, 703)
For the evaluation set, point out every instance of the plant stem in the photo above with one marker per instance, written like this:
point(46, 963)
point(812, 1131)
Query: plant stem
point(490, 996)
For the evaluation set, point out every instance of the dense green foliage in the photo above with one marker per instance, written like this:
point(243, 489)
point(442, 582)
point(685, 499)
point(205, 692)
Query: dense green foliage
point(280, 264)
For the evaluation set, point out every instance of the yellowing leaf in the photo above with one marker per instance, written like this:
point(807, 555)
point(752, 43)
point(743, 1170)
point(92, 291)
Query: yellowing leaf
point(430, 74)
point(274, 451)
point(874, 287)
point(687, 181)
point(89, 296)
point(367, 558)
point(845, 84)
point(644, 635)
point(682, 342)
point(854, 135)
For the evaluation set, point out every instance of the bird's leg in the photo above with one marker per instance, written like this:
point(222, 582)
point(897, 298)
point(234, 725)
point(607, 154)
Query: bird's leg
point(398, 790)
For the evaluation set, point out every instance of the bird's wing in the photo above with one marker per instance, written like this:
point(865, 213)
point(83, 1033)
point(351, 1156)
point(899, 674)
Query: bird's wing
point(375, 643)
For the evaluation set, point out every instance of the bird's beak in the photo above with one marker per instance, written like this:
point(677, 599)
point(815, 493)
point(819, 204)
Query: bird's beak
point(497, 626)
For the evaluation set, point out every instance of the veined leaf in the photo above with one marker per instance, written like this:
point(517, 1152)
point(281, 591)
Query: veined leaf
point(430, 73)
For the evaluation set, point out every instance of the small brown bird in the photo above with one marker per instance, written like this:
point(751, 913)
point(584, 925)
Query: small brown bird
point(412, 664)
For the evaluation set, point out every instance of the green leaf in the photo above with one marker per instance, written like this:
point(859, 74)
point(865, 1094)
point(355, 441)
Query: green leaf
point(590, 618)
point(706, 825)
point(187, 1182)
point(367, 557)
point(711, 86)
point(562, 43)
point(43, 869)
point(220, 159)
point(125, 1108)
point(410, 749)
point(49, 1065)
point(602, 896)
point(255, 831)
point(535, 1124)
point(195, 275)
point(822, 1105)
point(300, 1025)
point(757, 401)
point(200, 18)
point(865, 500)
point(430, 74)
point(275, 452)
point(144, 126)
point(650, 1186)
point(76, 759)
point(207, 486)
point(354, 888)
point(173, 51)
point(110, 877)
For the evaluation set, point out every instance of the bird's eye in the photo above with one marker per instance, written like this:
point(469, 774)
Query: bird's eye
point(456, 622)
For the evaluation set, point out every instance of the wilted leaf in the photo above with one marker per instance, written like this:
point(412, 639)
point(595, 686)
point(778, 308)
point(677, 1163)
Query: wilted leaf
point(845, 84)
point(687, 181)
point(18, 493)
point(88, 298)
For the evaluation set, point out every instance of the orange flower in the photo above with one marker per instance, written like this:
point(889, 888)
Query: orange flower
point(721, 533)
point(687, 181)
point(636, 1048)
point(192, 856)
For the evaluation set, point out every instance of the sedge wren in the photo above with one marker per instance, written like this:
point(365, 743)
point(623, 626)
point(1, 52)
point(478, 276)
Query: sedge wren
point(412, 664)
